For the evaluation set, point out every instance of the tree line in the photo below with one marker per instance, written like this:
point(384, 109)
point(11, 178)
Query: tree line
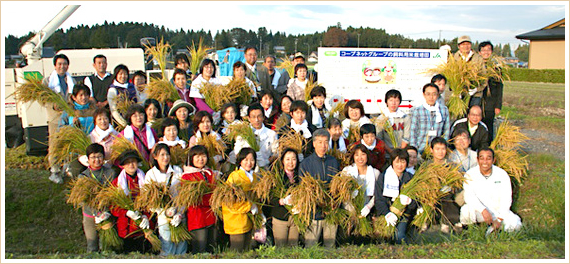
point(128, 34)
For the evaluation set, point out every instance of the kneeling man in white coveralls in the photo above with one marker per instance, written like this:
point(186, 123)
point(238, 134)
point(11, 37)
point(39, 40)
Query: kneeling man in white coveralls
point(488, 195)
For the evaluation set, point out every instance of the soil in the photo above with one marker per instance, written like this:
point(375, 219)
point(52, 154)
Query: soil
point(544, 142)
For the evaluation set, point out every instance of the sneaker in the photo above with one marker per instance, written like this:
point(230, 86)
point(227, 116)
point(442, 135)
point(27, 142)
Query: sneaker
point(55, 177)
point(445, 228)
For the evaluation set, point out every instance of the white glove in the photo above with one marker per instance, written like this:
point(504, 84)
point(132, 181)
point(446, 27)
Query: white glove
point(135, 215)
point(391, 219)
point(170, 212)
point(145, 224)
point(254, 209)
point(445, 189)
point(348, 206)
point(243, 110)
point(354, 194)
point(102, 217)
point(295, 211)
point(365, 211)
point(287, 200)
point(176, 220)
point(301, 157)
point(216, 117)
point(420, 211)
point(264, 219)
point(405, 200)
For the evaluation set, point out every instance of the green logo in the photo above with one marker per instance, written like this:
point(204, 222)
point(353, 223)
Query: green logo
point(34, 75)
point(437, 56)
point(331, 53)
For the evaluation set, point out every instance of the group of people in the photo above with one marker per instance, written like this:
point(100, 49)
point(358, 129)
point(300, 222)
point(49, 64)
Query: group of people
point(381, 160)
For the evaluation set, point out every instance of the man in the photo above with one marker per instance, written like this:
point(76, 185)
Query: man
point(441, 82)
point(488, 195)
point(252, 70)
point(300, 59)
point(59, 81)
point(99, 82)
point(477, 129)
point(465, 53)
point(493, 93)
point(272, 79)
point(322, 167)
point(463, 155)
point(268, 144)
point(182, 62)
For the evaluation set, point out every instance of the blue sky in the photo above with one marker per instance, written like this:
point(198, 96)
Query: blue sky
point(498, 22)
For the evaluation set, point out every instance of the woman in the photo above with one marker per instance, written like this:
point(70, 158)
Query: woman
point(388, 188)
point(169, 131)
point(163, 172)
point(239, 70)
point(236, 222)
point(354, 113)
point(182, 111)
point(153, 110)
point(399, 121)
point(207, 74)
point(365, 175)
point(138, 131)
point(202, 123)
point(200, 218)
point(229, 114)
point(285, 232)
point(121, 85)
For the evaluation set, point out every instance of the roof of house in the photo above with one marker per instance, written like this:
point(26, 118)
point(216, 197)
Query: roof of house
point(555, 30)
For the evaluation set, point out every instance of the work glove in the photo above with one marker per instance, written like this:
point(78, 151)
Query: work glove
point(286, 200)
point(254, 209)
point(365, 211)
point(445, 189)
point(348, 206)
point(216, 116)
point(135, 215)
point(295, 210)
point(170, 212)
point(102, 217)
point(145, 224)
point(354, 194)
point(420, 211)
point(391, 219)
point(176, 220)
point(405, 200)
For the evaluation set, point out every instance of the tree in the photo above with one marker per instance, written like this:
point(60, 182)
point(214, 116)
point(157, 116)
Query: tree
point(506, 50)
point(335, 37)
point(522, 52)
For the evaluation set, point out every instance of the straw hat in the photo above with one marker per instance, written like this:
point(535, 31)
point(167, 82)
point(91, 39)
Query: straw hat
point(181, 103)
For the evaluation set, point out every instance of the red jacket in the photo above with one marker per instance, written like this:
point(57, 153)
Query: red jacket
point(200, 216)
point(378, 154)
point(126, 227)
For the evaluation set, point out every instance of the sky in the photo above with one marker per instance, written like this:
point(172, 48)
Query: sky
point(498, 22)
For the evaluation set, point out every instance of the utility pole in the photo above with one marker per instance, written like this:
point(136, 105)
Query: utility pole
point(358, 40)
point(439, 38)
point(295, 46)
point(260, 46)
point(308, 48)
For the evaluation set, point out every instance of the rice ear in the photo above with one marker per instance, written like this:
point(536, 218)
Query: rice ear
point(34, 90)
point(197, 54)
point(68, 143)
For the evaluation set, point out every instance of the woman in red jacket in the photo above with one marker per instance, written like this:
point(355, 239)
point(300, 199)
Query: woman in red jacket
point(200, 218)
point(129, 180)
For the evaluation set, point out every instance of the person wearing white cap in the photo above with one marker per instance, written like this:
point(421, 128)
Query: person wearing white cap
point(467, 54)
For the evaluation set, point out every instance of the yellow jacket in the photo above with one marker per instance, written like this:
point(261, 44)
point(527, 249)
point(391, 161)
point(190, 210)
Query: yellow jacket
point(235, 217)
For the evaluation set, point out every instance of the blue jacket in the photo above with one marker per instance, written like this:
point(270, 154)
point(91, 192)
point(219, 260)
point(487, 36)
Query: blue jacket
point(85, 116)
point(321, 169)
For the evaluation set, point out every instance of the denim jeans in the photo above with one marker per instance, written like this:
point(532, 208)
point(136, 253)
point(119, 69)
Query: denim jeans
point(169, 247)
point(401, 229)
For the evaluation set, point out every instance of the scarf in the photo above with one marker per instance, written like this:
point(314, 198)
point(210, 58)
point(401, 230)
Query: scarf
point(124, 183)
point(318, 119)
point(276, 77)
point(468, 55)
point(129, 134)
point(249, 174)
point(225, 125)
point(341, 144)
point(303, 128)
point(391, 184)
point(411, 170)
point(56, 86)
point(267, 111)
point(101, 134)
point(367, 182)
point(127, 88)
point(371, 147)
point(434, 108)
point(176, 141)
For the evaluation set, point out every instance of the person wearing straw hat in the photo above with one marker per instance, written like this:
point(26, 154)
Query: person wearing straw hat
point(488, 195)
point(181, 111)
point(465, 53)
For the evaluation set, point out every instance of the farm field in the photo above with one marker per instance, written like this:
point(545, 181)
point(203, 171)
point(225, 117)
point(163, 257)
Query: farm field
point(40, 225)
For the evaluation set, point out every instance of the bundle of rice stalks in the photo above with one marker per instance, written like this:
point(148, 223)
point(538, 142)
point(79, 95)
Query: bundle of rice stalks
point(426, 185)
point(382, 229)
point(216, 95)
point(287, 65)
point(213, 146)
point(162, 90)
point(241, 91)
point(153, 195)
point(178, 155)
point(244, 130)
point(337, 216)
point(83, 192)
point(159, 53)
point(341, 187)
point(337, 111)
point(306, 196)
point(508, 136)
point(191, 193)
point(34, 90)
point(353, 135)
point(282, 121)
point(384, 123)
point(68, 143)
point(342, 157)
point(360, 226)
point(114, 197)
point(425, 218)
point(179, 233)
point(197, 54)
point(309, 87)
point(256, 219)
point(122, 144)
point(226, 194)
point(293, 140)
point(123, 103)
point(108, 236)
point(270, 185)
point(427, 150)
point(515, 164)
point(157, 123)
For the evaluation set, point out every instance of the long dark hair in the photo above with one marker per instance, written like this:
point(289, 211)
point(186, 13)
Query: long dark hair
point(157, 148)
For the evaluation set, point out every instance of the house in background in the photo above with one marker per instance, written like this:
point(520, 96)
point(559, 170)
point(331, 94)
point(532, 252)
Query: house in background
point(279, 50)
point(547, 46)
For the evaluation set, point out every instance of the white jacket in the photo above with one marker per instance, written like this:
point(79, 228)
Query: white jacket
point(493, 193)
point(268, 145)
point(154, 174)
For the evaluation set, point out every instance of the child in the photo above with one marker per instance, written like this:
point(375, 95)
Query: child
point(200, 219)
point(236, 222)
point(163, 172)
point(296, 86)
point(120, 85)
point(270, 110)
point(103, 174)
point(374, 144)
point(354, 113)
point(318, 113)
point(129, 180)
point(337, 141)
